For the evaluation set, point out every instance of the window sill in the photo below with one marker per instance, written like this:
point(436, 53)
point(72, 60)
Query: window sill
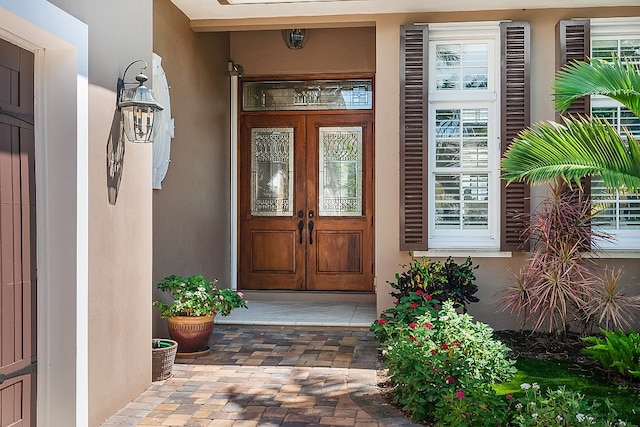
point(615, 254)
point(463, 253)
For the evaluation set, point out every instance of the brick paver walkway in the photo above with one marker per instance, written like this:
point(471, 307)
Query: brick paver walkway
point(270, 376)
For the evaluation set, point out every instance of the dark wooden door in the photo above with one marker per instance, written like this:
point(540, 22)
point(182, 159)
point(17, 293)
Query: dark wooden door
point(306, 202)
point(17, 238)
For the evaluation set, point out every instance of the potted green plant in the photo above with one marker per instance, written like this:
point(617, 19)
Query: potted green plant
point(196, 302)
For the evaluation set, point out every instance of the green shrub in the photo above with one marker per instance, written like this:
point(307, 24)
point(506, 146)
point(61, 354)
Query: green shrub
point(617, 351)
point(480, 406)
point(436, 356)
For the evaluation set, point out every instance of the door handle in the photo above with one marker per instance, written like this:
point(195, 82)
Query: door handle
point(300, 228)
point(311, 232)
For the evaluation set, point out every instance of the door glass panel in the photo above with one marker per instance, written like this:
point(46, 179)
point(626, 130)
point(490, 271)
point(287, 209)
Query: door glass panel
point(272, 171)
point(340, 174)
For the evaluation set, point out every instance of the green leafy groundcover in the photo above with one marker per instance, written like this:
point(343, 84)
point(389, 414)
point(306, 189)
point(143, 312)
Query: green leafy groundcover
point(556, 374)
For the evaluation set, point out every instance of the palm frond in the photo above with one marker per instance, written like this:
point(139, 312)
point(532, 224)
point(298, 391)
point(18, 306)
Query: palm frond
point(619, 80)
point(581, 147)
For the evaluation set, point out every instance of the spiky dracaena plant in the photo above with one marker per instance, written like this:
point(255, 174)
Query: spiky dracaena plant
point(556, 283)
point(609, 306)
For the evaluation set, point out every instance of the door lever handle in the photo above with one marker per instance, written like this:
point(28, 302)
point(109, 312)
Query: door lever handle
point(300, 228)
point(311, 232)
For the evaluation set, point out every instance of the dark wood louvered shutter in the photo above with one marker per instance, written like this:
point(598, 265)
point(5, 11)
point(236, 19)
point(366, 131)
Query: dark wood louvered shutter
point(515, 40)
point(414, 43)
point(574, 44)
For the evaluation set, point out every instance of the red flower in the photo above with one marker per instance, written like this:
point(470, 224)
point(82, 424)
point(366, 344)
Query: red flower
point(451, 380)
point(456, 343)
point(412, 338)
point(459, 394)
point(382, 321)
point(428, 325)
point(428, 297)
point(413, 325)
point(419, 292)
point(434, 351)
point(444, 346)
point(414, 305)
point(437, 306)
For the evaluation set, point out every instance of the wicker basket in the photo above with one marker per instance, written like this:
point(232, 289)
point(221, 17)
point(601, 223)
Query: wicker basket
point(163, 356)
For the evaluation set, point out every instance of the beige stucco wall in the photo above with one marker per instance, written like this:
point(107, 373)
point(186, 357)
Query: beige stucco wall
point(191, 213)
point(119, 328)
point(263, 52)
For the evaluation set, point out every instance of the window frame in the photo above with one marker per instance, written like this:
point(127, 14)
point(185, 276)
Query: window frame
point(439, 99)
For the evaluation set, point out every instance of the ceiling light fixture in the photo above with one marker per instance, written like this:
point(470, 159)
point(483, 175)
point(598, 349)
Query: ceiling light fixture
point(295, 38)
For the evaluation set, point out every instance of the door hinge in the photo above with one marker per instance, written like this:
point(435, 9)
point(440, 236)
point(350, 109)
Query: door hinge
point(26, 370)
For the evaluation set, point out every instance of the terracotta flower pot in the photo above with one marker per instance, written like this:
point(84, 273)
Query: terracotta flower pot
point(190, 332)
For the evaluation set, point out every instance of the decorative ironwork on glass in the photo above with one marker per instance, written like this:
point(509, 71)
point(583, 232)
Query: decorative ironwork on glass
point(272, 171)
point(355, 94)
point(340, 180)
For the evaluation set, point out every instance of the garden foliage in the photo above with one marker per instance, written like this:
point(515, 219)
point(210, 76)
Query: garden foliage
point(446, 281)
point(618, 351)
point(559, 408)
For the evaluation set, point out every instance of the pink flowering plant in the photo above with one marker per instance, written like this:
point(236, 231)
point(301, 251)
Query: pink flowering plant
point(439, 355)
point(196, 296)
point(422, 288)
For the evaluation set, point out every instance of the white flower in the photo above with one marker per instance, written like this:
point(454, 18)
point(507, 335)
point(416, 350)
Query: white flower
point(559, 418)
point(622, 423)
point(535, 386)
point(534, 415)
point(518, 406)
point(580, 417)
point(525, 386)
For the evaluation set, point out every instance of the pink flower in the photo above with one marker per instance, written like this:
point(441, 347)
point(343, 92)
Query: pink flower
point(419, 292)
point(451, 380)
point(444, 346)
point(456, 343)
point(509, 396)
point(437, 306)
point(459, 394)
point(414, 305)
point(428, 297)
point(413, 325)
point(428, 325)
point(382, 321)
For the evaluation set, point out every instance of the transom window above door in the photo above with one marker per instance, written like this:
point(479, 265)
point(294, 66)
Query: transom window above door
point(301, 95)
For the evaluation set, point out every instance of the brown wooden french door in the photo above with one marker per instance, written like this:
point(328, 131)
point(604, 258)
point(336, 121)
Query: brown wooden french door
point(306, 202)
point(17, 238)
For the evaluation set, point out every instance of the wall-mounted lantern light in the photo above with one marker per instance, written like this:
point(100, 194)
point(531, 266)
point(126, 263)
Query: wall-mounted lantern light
point(140, 111)
point(296, 38)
